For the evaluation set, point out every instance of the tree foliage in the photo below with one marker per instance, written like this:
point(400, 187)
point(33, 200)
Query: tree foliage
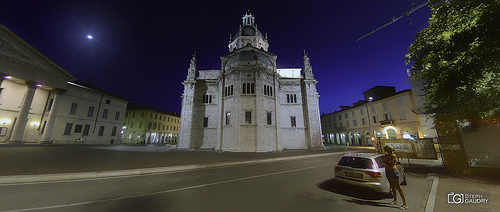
point(458, 55)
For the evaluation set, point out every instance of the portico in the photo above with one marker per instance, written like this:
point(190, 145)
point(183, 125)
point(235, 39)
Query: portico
point(27, 80)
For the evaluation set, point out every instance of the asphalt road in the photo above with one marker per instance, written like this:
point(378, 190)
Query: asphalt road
point(32, 160)
point(297, 185)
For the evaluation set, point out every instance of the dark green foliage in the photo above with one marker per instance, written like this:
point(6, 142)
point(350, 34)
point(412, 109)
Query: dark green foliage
point(458, 55)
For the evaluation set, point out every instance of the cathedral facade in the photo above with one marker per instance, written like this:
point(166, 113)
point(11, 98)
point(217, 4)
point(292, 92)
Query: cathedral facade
point(250, 105)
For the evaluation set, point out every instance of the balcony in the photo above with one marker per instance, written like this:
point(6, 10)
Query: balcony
point(387, 122)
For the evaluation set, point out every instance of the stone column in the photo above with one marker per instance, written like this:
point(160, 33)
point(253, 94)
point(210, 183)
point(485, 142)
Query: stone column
point(22, 119)
point(49, 127)
point(2, 75)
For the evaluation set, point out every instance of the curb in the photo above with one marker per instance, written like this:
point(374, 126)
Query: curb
point(432, 195)
point(17, 179)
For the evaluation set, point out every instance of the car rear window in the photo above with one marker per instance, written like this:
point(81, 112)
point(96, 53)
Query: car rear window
point(380, 161)
point(355, 162)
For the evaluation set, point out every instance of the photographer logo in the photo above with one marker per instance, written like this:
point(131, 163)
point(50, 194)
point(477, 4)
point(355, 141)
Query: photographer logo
point(455, 198)
point(468, 198)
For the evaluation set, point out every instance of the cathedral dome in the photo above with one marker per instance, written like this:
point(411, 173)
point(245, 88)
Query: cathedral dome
point(248, 34)
point(249, 56)
point(248, 31)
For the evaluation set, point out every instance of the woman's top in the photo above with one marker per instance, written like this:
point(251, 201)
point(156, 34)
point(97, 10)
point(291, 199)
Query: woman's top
point(390, 160)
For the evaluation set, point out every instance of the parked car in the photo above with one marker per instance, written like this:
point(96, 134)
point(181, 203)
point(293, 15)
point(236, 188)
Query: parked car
point(363, 170)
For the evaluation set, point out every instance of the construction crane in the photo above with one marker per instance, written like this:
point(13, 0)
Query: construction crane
point(394, 19)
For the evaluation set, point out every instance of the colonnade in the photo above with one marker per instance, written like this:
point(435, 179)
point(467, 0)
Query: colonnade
point(21, 120)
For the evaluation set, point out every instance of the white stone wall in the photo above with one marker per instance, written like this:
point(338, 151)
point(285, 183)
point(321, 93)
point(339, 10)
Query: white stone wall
point(312, 115)
point(185, 130)
point(210, 132)
point(85, 98)
point(293, 138)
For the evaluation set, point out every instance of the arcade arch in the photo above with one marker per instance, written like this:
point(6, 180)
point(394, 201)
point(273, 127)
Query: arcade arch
point(343, 138)
point(357, 138)
point(350, 138)
point(390, 132)
point(368, 140)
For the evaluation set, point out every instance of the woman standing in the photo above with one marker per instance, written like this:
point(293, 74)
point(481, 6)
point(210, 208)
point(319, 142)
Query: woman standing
point(392, 174)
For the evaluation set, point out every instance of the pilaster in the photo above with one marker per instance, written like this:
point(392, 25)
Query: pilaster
point(185, 130)
point(311, 107)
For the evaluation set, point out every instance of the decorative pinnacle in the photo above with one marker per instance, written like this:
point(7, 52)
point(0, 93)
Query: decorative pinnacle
point(248, 19)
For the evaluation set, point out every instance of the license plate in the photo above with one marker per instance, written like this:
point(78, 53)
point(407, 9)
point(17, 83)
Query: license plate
point(354, 175)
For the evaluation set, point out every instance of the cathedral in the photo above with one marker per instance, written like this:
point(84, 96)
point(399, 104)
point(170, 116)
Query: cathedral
point(250, 105)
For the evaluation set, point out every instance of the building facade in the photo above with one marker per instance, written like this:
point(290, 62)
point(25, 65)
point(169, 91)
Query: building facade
point(42, 103)
point(147, 125)
point(250, 105)
point(383, 114)
point(426, 120)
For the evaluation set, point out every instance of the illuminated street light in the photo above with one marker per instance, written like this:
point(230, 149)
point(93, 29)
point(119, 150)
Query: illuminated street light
point(90, 37)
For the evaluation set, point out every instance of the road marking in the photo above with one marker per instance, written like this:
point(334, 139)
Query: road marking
point(166, 191)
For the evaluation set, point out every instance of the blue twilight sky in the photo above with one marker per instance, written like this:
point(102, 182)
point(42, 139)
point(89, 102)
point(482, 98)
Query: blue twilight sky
point(141, 49)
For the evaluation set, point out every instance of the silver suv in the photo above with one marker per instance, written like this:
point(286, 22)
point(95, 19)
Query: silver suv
point(364, 170)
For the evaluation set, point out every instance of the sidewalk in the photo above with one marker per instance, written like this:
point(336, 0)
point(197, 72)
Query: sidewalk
point(445, 186)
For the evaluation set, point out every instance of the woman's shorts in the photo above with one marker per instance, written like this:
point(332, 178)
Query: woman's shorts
point(392, 174)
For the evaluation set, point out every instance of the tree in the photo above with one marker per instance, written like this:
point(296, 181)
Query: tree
point(458, 55)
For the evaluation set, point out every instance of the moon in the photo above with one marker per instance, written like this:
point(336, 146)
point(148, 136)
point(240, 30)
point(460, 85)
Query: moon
point(90, 37)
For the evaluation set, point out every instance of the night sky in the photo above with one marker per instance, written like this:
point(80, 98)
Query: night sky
point(141, 49)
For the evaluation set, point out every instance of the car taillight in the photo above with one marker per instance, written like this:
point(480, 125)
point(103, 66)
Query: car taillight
point(374, 174)
point(338, 169)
